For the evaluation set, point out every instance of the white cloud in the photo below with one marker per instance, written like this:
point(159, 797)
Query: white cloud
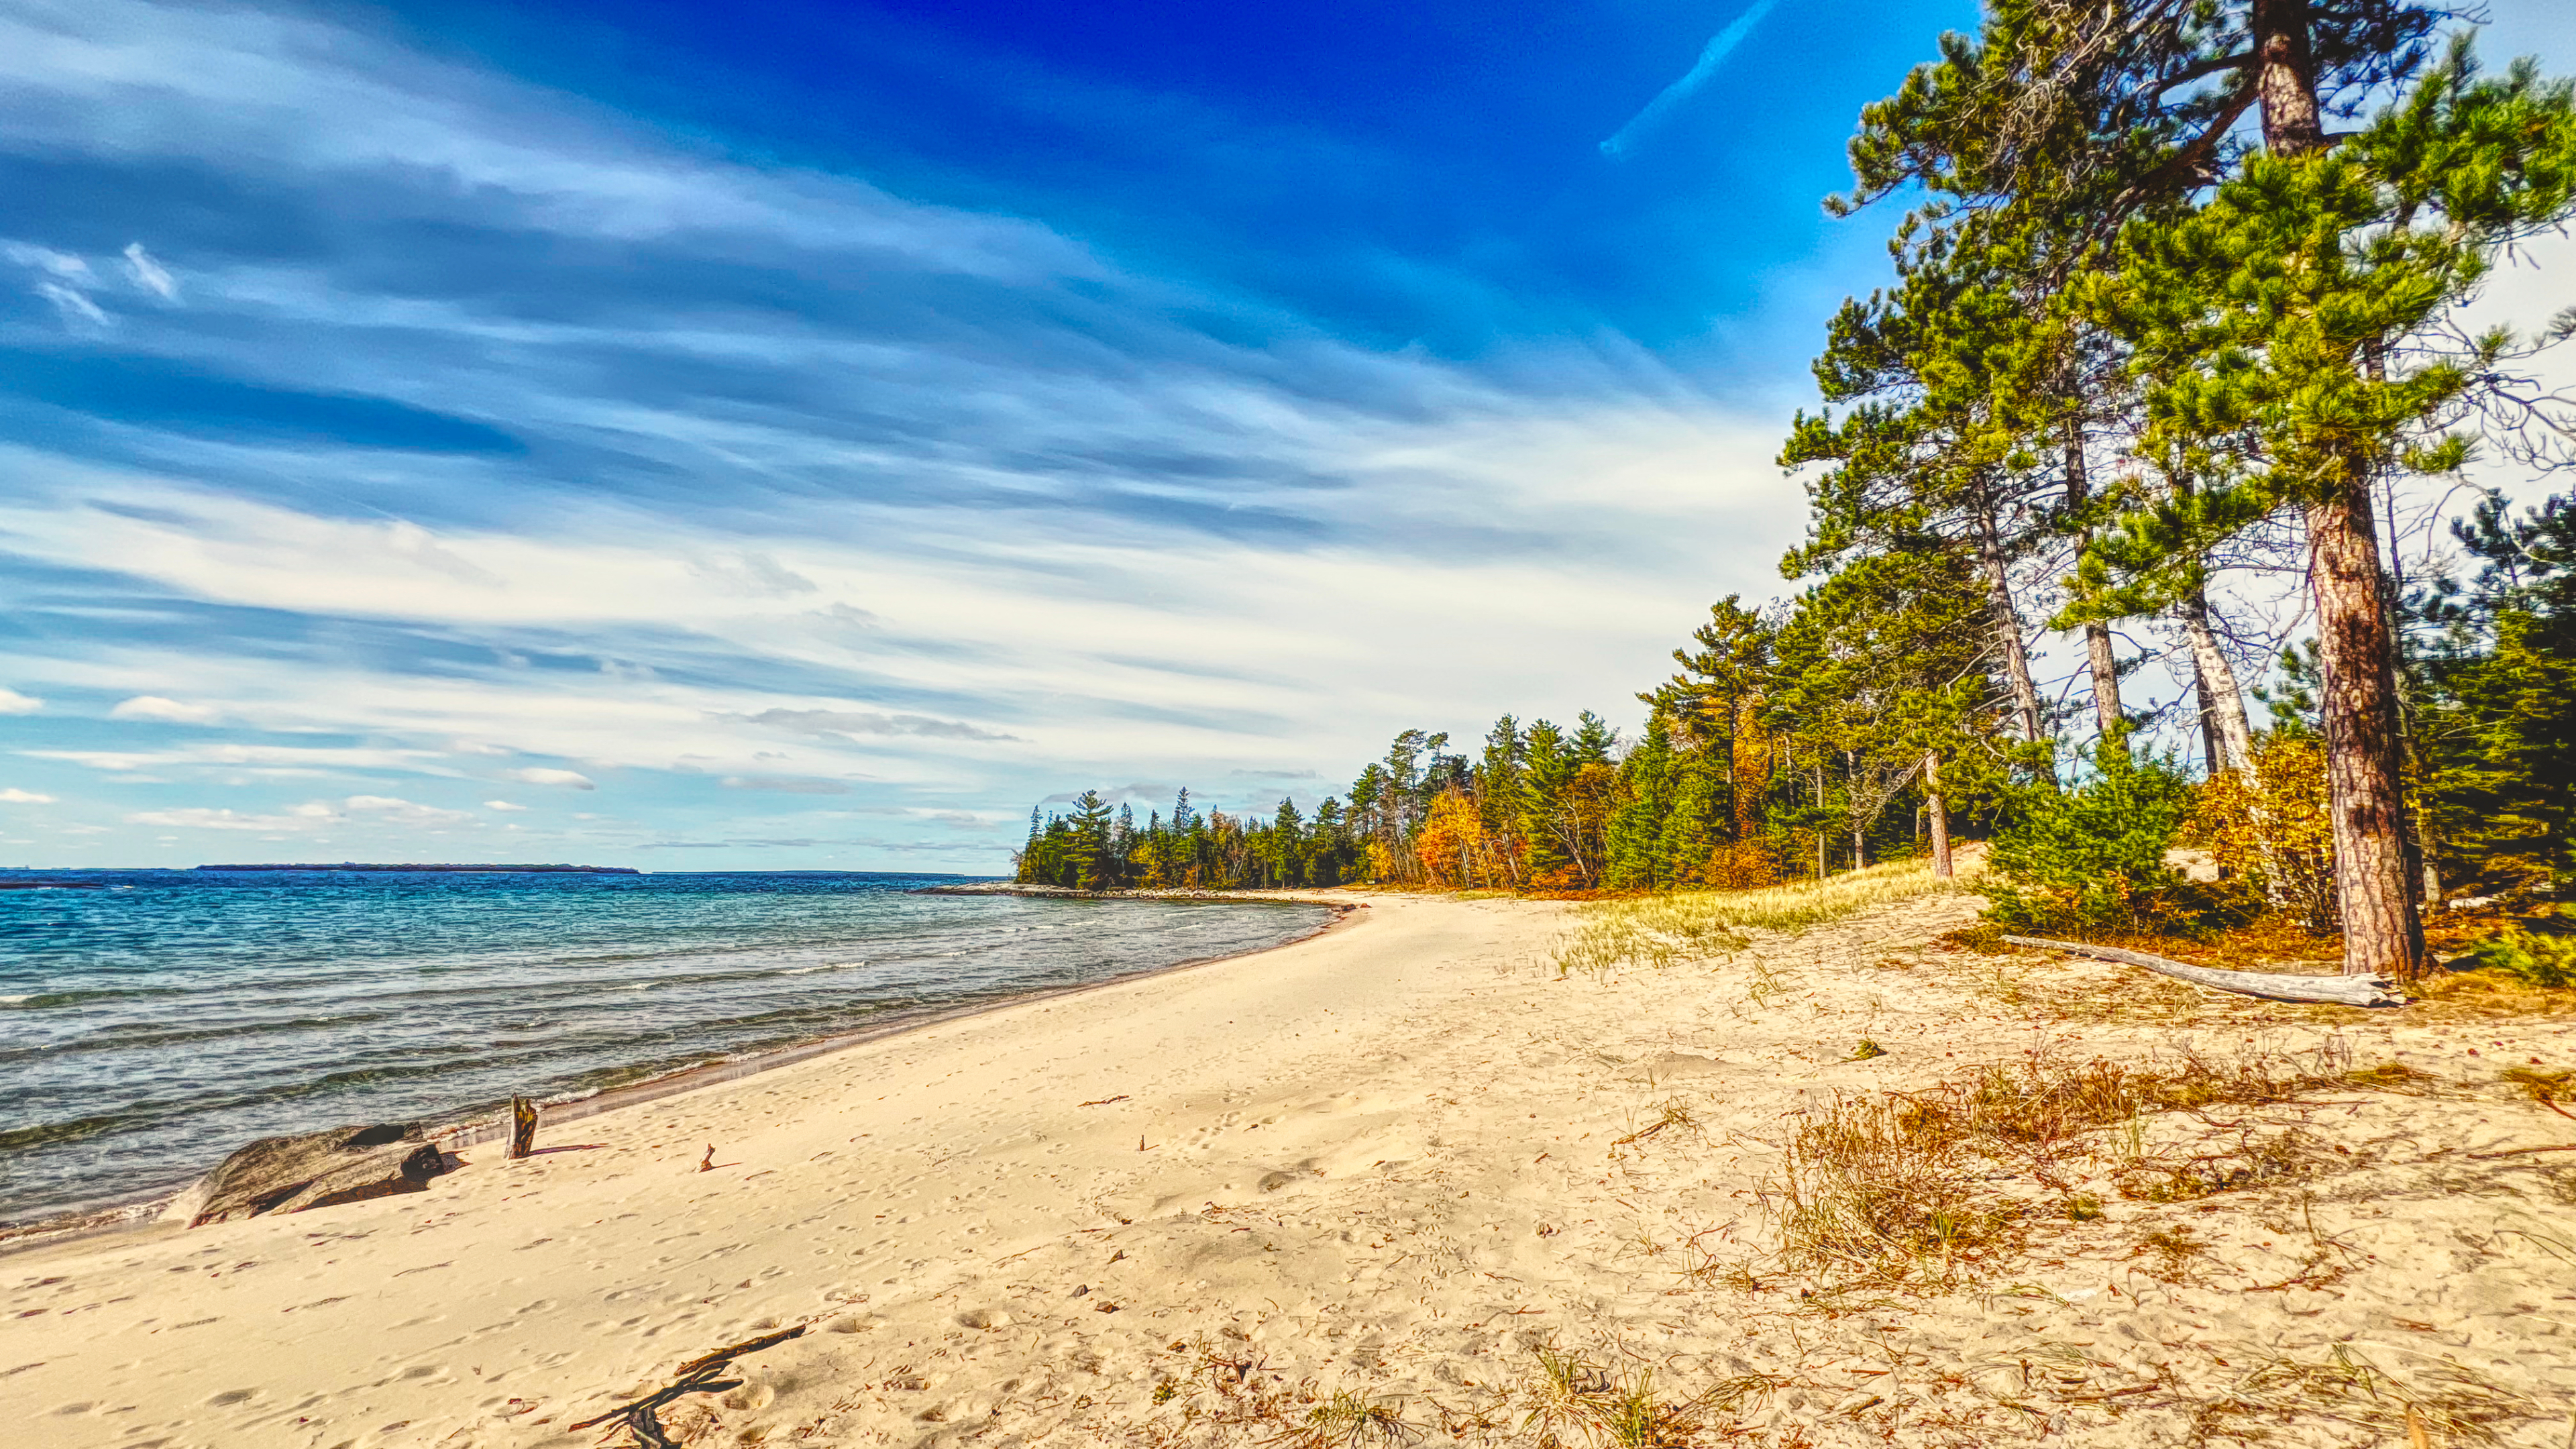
point(405, 812)
point(169, 80)
point(60, 266)
point(12, 702)
point(149, 274)
point(271, 761)
point(573, 779)
point(786, 784)
point(15, 796)
point(73, 303)
point(171, 711)
point(501, 805)
point(310, 816)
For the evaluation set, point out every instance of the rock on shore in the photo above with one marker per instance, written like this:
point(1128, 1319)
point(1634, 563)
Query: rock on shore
point(316, 1169)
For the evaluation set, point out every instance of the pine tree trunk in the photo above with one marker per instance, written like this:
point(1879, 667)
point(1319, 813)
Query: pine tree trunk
point(2285, 78)
point(2228, 724)
point(2212, 752)
point(1851, 777)
point(2099, 658)
point(1823, 840)
point(2374, 887)
point(2105, 666)
point(2007, 625)
point(1939, 811)
point(2374, 873)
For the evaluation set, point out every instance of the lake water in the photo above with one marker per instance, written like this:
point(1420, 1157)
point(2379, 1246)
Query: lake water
point(149, 1028)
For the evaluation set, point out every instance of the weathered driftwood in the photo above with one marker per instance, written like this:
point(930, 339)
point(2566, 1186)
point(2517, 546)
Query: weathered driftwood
point(2272, 985)
point(701, 1375)
point(523, 1127)
point(318, 1169)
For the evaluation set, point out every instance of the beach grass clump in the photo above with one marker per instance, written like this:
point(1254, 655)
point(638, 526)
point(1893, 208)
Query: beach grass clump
point(1573, 1399)
point(1348, 1419)
point(1662, 930)
point(1893, 1189)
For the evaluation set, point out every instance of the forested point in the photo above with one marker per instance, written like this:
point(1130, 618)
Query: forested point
point(2171, 382)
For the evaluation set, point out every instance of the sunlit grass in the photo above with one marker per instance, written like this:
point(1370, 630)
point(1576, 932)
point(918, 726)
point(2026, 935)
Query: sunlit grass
point(1693, 925)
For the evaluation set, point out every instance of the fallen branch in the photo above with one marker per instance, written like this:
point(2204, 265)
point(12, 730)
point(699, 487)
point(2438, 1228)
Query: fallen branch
point(701, 1375)
point(2524, 1151)
point(2271, 985)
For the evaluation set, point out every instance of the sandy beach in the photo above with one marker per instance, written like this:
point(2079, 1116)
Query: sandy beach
point(1352, 1187)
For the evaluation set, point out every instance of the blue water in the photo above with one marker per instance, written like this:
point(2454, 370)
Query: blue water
point(149, 1028)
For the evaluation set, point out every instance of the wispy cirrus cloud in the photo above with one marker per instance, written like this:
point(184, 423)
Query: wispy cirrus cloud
point(788, 784)
point(870, 722)
point(1702, 71)
point(566, 448)
point(311, 816)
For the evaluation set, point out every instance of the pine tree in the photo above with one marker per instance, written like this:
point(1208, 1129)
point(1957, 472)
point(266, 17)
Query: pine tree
point(2291, 326)
point(1633, 850)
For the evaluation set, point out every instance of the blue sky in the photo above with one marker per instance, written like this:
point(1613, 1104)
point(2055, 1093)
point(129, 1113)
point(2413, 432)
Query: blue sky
point(771, 436)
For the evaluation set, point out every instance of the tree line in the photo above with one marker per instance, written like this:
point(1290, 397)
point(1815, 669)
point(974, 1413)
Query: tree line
point(2170, 369)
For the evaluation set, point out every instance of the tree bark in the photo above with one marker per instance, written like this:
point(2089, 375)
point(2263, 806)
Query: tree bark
point(2285, 78)
point(2103, 663)
point(2228, 723)
point(1822, 839)
point(1939, 811)
point(2106, 678)
point(2212, 753)
point(2007, 624)
point(2383, 935)
point(1851, 778)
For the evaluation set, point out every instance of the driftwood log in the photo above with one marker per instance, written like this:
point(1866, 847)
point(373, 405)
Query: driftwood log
point(318, 1169)
point(2271, 985)
point(523, 1127)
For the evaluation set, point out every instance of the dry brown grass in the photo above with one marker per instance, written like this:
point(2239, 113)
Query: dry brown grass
point(2485, 996)
point(1664, 930)
point(2445, 1403)
point(1896, 1189)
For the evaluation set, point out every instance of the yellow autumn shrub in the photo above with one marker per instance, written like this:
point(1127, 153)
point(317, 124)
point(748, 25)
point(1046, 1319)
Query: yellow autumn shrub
point(2273, 830)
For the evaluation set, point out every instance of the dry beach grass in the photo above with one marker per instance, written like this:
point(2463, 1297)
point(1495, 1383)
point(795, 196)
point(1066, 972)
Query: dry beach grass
point(1475, 1171)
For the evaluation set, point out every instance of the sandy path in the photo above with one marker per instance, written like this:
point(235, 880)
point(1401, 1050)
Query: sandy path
point(1387, 1160)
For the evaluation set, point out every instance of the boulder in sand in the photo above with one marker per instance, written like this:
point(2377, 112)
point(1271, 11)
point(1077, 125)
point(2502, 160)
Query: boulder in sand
point(317, 1169)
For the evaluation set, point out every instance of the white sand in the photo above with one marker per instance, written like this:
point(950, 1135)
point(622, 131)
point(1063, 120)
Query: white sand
point(1379, 1160)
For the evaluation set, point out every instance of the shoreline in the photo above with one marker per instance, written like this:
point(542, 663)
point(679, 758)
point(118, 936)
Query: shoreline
point(141, 1215)
point(1280, 895)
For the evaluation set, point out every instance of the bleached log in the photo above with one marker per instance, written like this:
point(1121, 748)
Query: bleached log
point(2271, 985)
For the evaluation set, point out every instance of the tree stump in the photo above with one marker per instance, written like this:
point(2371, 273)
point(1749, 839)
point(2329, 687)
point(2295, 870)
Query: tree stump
point(523, 1126)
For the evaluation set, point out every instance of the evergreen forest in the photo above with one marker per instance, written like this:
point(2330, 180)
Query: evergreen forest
point(2141, 514)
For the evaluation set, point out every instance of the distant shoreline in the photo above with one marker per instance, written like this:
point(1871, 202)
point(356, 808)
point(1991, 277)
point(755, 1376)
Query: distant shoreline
point(351, 865)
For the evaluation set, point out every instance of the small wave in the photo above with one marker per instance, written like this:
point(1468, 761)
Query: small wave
point(40, 1000)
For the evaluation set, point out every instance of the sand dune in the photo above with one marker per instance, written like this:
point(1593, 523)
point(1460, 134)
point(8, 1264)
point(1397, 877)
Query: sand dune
point(1392, 1161)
